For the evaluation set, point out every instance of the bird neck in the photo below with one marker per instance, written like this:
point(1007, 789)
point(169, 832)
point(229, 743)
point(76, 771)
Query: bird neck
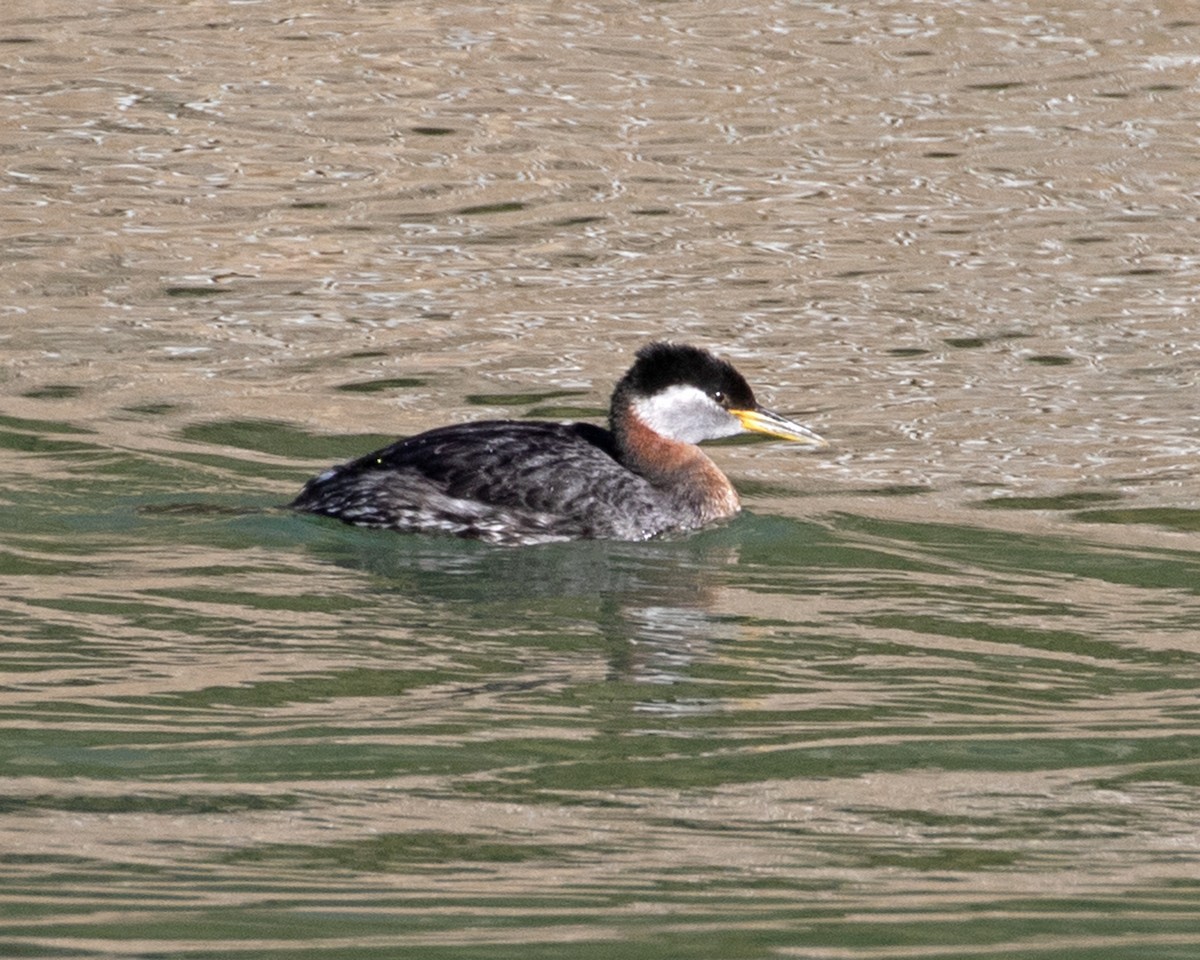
point(681, 470)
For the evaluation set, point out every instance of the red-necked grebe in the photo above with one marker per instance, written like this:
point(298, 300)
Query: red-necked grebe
point(521, 482)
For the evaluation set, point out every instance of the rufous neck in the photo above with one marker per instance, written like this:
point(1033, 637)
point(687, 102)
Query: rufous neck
point(681, 470)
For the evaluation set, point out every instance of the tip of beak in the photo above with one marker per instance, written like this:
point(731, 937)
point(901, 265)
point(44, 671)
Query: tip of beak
point(814, 440)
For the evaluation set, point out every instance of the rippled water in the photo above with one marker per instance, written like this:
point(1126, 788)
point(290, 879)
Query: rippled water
point(934, 694)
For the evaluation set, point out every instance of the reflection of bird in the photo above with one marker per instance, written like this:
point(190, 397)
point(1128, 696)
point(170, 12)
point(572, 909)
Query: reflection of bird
point(517, 482)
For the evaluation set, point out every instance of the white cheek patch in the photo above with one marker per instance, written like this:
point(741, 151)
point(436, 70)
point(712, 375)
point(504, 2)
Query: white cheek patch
point(687, 413)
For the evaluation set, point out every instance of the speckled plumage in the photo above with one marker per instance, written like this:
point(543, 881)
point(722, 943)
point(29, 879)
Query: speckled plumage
point(503, 481)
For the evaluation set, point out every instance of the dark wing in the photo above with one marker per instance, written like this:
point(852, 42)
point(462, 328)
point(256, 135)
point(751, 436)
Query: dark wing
point(489, 479)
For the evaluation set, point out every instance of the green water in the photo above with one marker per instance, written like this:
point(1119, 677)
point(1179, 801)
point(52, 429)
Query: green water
point(233, 732)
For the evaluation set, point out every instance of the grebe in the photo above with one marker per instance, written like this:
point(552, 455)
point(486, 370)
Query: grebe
point(523, 482)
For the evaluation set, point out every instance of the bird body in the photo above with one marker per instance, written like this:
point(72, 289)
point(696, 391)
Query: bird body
point(523, 482)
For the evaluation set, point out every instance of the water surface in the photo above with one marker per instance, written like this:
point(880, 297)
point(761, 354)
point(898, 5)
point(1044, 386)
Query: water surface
point(933, 694)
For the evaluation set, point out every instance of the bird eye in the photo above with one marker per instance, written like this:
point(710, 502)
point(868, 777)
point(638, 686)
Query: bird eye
point(718, 396)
